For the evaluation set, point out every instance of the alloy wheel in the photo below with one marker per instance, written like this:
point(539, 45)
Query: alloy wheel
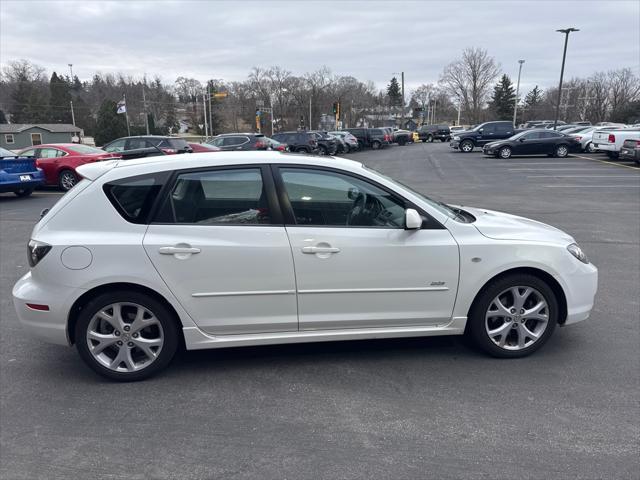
point(505, 152)
point(125, 337)
point(67, 180)
point(562, 151)
point(517, 318)
point(466, 147)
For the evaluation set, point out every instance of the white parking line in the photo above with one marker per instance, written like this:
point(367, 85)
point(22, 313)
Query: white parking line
point(592, 186)
point(608, 163)
point(545, 169)
point(583, 176)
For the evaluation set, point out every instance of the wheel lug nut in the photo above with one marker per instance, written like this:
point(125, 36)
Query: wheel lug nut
point(135, 335)
point(116, 333)
point(513, 310)
point(127, 328)
point(119, 343)
point(521, 311)
point(130, 344)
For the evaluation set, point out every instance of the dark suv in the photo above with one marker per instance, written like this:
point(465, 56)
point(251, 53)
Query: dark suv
point(428, 133)
point(302, 141)
point(327, 145)
point(147, 146)
point(239, 141)
point(484, 133)
point(371, 137)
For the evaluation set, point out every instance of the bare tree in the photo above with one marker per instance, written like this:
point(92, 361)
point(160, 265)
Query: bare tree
point(469, 79)
point(624, 88)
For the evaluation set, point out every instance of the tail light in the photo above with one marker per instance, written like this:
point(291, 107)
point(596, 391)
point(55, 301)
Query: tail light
point(386, 138)
point(578, 138)
point(169, 151)
point(612, 138)
point(260, 144)
point(37, 163)
point(36, 252)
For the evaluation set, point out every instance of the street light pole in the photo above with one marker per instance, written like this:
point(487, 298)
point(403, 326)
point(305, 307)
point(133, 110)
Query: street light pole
point(515, 106)
point(71, 70)
point(566, 32)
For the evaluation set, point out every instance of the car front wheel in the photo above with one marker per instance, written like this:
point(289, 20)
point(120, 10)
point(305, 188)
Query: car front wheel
point(126, 336)
point(23, 192)
point(513, 316)
point(505, 152)
point(466, 146)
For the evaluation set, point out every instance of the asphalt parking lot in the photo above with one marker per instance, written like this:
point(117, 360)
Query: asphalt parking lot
point(416, 408)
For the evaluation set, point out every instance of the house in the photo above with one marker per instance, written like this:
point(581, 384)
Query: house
point(16, 136)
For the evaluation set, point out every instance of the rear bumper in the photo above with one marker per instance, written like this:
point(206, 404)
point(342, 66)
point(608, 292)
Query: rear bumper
point(51, 325)
point(10, 182)
point(605, 147)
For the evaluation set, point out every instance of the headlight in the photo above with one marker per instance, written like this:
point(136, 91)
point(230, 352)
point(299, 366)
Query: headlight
point(577, 252)
point(456, 138)
point(36, 251)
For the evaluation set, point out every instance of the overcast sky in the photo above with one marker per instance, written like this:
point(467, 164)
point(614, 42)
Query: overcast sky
point(367, 39)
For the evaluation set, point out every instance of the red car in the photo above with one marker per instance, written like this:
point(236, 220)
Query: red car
point(203, 147)
point(60, 160)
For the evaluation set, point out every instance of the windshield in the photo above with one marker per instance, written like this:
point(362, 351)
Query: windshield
point(6, 153)
point(84, 149)
point(439, 206)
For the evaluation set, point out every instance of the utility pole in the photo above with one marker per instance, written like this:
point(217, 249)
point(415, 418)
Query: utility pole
point(73, 117)
point(515, 106)
point(126, 114)
point(402, 111)
point(566, 32)
point(204, 105)
point(309, 113)
point(459, 108)
point(144, 105)
point(210, 114)
point(71, 70)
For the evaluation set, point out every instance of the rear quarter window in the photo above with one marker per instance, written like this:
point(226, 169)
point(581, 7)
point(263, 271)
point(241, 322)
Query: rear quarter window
point(134, 197)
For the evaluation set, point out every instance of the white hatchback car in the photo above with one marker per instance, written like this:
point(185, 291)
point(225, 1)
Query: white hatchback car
point(253, 248)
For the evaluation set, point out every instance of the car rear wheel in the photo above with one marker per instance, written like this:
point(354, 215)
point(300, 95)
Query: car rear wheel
point(375, 145)
point(514, 316)
point(23, 192)
point(126, 336)
point(67, 180)
point(402, 141)
point(466, 146)
point(430, 139)
point(322, 150)
point(590, 148)
point(505, 152)
point(561, 151)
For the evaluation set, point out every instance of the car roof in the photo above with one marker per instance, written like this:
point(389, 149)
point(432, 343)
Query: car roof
point(142, 166)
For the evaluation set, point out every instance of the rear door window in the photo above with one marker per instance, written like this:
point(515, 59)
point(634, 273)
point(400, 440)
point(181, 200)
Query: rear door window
point(217, 197)
point(133, 197)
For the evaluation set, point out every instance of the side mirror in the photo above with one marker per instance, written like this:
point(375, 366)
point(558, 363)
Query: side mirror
point(481, 130)
point(522, 139)
point(353, 193)
point(412, 219)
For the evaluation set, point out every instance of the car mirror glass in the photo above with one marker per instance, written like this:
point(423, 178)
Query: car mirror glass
point(353, 193)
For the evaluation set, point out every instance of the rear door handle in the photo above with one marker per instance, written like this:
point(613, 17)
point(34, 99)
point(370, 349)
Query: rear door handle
point(175, 250)
point(313, 250)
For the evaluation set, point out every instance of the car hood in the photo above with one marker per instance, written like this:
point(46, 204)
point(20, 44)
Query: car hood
point(504, 226)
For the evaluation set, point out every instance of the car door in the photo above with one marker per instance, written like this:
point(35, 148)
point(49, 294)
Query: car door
point(503, 130)
point(219, 244)
point(549, 141)
point(356, 266)
point(527, 144)
point(487, 134)
point(48, 159)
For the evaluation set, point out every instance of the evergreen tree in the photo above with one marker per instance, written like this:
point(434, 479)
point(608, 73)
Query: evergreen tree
point(29, 103)
point(394, 93)
point(533, 101)
point(59, 99)
point(503, 99)
point(3, 118)
point(110, 125)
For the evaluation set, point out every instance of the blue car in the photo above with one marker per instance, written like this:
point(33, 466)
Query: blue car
point(19, 174)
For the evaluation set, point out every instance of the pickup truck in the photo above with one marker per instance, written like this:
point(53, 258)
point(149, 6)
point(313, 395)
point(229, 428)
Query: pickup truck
point(610, 141)
point(482, 134)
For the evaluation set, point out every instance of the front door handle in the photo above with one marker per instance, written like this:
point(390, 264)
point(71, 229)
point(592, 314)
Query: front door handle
point(177, 250)
point(313, 250)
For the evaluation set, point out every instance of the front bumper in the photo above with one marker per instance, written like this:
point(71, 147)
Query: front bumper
point(628, 154)
point(51, 325)
point(454, 144)
point(580, 289)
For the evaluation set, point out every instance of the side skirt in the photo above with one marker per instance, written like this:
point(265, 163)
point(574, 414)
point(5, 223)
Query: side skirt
point(196, 339)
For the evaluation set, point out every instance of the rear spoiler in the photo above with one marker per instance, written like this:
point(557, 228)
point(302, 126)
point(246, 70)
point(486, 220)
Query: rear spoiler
point(94, 170)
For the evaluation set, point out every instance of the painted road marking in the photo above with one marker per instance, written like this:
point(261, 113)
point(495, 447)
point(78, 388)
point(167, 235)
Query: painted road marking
point(608, 163)
point(582, 176)
point(592, 186)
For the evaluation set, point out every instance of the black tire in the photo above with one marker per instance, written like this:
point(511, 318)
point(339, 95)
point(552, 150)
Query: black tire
point(505, 152)
point(347, 148)
point(613, 155)
point(166, 319)
point(430, 139)
point(23, 192)
point(402, 141)
point(590, 148)
point(561, 151)
point(424, 140)
point(322, 150)
point(476, 324)
point(376, 145)
point(466, 144)
point(67, 180)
